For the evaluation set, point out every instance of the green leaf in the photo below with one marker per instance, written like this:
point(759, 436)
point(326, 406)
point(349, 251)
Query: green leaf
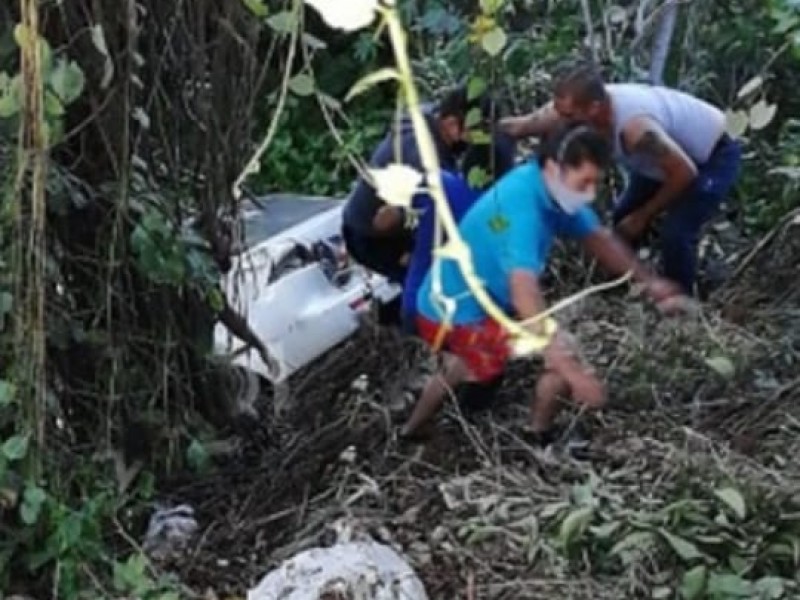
point(574, 525)
point(727, 585)
point(722, 365)
point(684, 549)
point(16, 447)
point(302, 84)
point(751, 86)
point(6, 303)
point(197, 456)
point(734, 500)
point(67, 81)
point(476, 86)
point(32, 501)
point(494, 41)
point(6, 393)
point(283, 22)
point(638, 540)
point(257, 7)
point(770, 588)
point(216, 300)
point(313, 42)
point(761, 114)
point(490, 7)
point(371, 80)
point(10, 95)
point(52, 105)
point(693, 583)
point(131, 576)
point(606, 530)
point(662, 592)
point(473, 118)
point(736, 122)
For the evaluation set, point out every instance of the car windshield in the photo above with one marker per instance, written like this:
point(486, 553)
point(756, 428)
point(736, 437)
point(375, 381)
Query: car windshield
point(279, 213)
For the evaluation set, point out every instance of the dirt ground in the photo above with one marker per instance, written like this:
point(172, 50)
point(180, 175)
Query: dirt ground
point(697, 404)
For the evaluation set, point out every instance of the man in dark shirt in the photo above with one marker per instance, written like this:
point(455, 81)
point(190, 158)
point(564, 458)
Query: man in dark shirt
point(380, 236)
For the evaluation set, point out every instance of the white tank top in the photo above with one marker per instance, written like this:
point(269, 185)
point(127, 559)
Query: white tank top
point(695, 125)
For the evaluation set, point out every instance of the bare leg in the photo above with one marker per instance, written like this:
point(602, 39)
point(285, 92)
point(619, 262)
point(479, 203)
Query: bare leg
point(435, 393)
point(545, 405)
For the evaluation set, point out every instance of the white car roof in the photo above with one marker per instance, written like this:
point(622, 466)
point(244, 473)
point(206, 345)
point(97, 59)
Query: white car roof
point(279, 213)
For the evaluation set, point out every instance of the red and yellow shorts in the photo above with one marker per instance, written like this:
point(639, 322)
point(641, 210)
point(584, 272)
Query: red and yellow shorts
point(483, 346)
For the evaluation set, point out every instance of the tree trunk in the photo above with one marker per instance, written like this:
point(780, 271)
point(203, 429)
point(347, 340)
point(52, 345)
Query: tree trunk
point(662, 41)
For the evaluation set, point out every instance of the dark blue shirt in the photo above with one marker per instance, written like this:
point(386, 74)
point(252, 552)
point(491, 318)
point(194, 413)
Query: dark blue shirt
point(399, 146)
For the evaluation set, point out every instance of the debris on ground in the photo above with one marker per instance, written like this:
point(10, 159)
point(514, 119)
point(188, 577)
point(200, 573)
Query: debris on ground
point(169, 533)
point(693, 489)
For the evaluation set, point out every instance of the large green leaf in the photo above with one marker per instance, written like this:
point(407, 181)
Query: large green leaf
point(283, 22)
point(693, 583)
point(494, 41)
point(734, 500)
point(6, 393)
point(257, 7)
point(10, 95)
point(32, 500)
point(16, 447)
point(683, 548)
point(67, 81)
point(574, 525)
point(476, 86)
point(728, 586)
point(302, 85)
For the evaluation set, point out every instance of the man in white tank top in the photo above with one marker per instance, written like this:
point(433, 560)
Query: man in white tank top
point(680, 161)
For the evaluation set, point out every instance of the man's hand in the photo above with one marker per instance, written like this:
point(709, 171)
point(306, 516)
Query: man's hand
point(633, 227)
point(668, 297)
point(659, 289)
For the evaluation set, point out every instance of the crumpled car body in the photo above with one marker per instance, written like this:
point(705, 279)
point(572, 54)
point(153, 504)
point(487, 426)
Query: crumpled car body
point(292, 280)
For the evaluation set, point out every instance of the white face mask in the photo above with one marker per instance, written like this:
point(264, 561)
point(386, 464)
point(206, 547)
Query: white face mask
point(568, 199)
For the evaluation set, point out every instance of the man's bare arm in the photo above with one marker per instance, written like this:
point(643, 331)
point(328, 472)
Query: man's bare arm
point(536, 124)
point(644, 137)
point(617, 259)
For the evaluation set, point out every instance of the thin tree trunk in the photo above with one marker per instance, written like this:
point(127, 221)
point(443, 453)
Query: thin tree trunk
point(662, 41)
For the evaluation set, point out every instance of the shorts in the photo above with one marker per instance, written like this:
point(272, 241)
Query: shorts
point(483, 346)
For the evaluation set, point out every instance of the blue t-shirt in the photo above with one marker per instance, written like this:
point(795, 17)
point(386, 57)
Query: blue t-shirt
point(460, 197)
point(511, 227)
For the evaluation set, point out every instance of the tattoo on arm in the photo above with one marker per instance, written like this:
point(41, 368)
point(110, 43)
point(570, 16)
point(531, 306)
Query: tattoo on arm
point(651, 144)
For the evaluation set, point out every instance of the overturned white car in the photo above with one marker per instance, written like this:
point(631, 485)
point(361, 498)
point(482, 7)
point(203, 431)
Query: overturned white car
point(292, 280)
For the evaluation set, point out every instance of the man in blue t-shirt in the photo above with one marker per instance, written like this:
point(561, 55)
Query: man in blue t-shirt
point(510, 231)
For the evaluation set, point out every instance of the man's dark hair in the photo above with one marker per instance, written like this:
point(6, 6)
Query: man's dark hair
point(456, 103)
point(573, 145)
point(582, 81)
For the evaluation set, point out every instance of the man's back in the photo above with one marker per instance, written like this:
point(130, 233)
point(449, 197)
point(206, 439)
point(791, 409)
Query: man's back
point(695, 125)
